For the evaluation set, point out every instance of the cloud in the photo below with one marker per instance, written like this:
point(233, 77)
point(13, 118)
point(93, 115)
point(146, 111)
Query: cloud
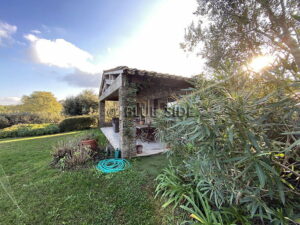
point(6, 32)
point(53, 29)
point(31, 37)
point(36, 31)
point(61, 53)
point(82, 79)
point(10, 100)
point(156, 44)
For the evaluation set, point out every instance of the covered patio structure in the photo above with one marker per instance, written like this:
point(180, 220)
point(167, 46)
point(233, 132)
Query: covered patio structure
point(140, 94)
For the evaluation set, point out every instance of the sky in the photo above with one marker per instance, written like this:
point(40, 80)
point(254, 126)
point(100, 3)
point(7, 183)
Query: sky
point(62, 46)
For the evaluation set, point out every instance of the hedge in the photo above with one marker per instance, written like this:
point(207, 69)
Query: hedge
point(10, 119)
point(77, 123)
point(4, 122)
point(23, 130)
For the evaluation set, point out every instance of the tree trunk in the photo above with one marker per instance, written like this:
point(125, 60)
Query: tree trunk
point(294, 49)
point(280, 21)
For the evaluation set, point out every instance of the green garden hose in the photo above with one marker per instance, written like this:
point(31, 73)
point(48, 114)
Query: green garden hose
point(112, 165)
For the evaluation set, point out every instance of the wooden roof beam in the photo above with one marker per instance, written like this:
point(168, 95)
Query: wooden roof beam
point(112, 88)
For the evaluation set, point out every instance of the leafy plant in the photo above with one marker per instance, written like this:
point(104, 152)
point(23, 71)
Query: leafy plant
point(199, 208)
point(172, 187)
point(239, 145)
point(237, 215)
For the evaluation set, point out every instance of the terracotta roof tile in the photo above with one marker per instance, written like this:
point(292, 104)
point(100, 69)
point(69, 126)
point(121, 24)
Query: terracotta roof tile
point(134, 71)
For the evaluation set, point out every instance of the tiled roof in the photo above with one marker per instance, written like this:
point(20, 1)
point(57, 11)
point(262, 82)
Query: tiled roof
point(134, 71)
point(116, 68)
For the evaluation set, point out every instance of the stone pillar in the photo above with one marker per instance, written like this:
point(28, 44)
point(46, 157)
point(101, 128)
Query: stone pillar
point(102, 113)
point(127, 104)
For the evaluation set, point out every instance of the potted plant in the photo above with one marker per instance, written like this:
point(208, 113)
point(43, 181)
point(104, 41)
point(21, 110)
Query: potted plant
point(89, 141)
point(139, 149)
point(139, 146)
point(115, 124)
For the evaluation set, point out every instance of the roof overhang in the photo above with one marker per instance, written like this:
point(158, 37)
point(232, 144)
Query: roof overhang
point(136, 72)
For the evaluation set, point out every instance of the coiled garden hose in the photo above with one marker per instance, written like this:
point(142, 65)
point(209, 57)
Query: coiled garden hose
point(112, 165)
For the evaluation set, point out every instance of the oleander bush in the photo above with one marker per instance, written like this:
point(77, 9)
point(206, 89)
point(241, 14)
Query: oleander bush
point(78, 123)
point(24, 130)
point(240, 148)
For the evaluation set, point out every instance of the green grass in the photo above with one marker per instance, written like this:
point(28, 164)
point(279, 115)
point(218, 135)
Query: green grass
point(33, 193)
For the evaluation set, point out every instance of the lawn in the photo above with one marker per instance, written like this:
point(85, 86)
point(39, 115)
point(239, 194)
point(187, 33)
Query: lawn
point(31, 192)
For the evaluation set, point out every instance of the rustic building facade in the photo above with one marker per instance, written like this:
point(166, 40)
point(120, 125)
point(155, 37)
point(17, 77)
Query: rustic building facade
point(139, 93)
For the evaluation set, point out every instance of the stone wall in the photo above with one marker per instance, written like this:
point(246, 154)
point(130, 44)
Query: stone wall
point(102, 113)
point(127, 104)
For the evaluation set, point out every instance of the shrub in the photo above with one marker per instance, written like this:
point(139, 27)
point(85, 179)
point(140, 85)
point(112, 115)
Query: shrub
point(78, 123)
point(200, 210)
point(83, 104)
point(23, 130)
point(240, 145)
point(23, 118)
point(4, 122)
point(70, 154)
point(172, 187)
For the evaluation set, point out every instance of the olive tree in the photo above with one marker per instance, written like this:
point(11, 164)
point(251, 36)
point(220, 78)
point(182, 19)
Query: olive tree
point(237, 30)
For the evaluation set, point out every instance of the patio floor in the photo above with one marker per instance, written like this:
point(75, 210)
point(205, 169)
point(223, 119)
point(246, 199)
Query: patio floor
point(151, 148)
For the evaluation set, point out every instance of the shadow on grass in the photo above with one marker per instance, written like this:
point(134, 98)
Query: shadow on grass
point(8, 140)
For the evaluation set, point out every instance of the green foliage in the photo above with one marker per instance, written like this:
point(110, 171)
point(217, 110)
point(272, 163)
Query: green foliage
point(82, 104)
point(42, 103)
point(235, 145)
point(171, 187)
point(24, 118)
point(24, 130)
point(2, 108)
point(111, 110)
point(236, 215)
point(77, 123)
point(39, 107)
point(4, 122)
point(236, 31)
point(200, 210)
point(10, 108)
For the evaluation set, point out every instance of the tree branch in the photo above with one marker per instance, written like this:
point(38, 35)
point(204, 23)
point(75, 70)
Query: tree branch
point(287, 168)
